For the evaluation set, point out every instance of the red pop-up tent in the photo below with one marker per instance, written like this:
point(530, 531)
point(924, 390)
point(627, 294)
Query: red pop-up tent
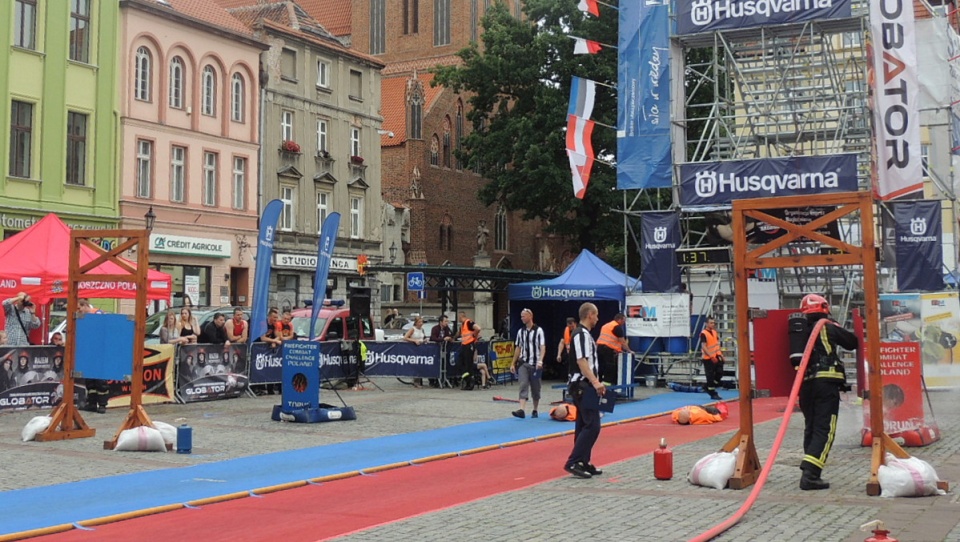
point(37, 261)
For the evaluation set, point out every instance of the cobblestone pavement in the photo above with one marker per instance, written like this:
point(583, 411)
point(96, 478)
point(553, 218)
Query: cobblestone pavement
point(625, 503)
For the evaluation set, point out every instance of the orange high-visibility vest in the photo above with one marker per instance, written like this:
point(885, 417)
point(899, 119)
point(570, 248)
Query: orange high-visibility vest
point(466, 333)
point(566, 336)
point(608, 339)
point(711, 346)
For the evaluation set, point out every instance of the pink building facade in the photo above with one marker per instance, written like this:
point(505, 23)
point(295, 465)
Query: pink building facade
point(189, 102)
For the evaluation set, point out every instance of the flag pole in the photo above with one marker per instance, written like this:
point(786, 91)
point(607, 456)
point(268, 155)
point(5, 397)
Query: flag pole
point(595, 41)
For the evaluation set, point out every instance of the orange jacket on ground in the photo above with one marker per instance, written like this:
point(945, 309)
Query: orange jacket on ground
point(698, 416)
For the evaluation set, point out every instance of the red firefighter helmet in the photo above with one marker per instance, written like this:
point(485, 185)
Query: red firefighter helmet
point(813, 303)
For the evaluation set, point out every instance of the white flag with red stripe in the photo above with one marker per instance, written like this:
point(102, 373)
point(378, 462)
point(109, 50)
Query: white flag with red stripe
point(580, 152)
point(589, 6)
point(585, 47)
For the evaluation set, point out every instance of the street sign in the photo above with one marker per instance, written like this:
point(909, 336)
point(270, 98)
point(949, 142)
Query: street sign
point(416, 281)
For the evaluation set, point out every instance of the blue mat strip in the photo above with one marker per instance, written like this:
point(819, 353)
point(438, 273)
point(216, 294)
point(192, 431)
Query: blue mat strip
point(28, 509)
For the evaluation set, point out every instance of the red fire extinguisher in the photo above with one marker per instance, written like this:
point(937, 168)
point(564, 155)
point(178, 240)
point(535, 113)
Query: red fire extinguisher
point(879, 533)
point(663, 462)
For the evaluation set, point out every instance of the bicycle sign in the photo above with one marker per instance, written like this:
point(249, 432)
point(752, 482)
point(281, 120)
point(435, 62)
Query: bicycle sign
point(416, 281)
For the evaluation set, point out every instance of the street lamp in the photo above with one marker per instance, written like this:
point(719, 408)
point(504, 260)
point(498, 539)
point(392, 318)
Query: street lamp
point(150, 218)
point(393, 251)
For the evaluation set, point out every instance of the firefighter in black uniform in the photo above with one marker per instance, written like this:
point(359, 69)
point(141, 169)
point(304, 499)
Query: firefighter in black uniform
point(820, 392)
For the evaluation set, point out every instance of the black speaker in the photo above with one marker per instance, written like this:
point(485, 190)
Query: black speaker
point(359, 302)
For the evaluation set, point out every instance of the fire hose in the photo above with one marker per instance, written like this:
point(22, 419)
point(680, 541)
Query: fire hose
point(718, 529)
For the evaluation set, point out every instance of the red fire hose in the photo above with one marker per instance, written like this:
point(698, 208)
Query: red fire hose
point(765, 470)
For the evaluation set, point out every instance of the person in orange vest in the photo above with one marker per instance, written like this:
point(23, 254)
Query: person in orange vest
point(700, 415)
point(563, 347)
point(712, 357)
point(612, 341)
point(564, 412)
point(469, 334)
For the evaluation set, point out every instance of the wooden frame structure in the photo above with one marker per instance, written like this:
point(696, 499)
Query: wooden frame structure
point(745, 258)
point(67, 423)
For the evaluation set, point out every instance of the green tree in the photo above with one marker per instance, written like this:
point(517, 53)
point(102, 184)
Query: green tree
point(518, 87)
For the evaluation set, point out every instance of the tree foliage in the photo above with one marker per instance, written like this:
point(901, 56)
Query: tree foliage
point(517, 83)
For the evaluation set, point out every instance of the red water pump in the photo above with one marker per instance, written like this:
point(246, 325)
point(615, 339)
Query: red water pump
point(663, 462)
point(879, 533)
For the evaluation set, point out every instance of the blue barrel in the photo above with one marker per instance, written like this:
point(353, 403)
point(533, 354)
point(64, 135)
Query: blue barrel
point(678, 345)
point(648, 345)
point(184, 439)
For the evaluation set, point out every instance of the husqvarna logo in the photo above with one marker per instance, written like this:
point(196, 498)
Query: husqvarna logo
point(918, 226)
point(706, 184)
point(701, 12)
point(536, 292)
point(269, 235)
point(660, 234)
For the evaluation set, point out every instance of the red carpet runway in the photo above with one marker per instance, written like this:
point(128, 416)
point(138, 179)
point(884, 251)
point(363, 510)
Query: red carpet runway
point(318, 512)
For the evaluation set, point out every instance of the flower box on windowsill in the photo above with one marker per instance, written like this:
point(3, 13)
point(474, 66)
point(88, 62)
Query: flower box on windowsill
point(358, 160)
point(290, 147)
point(325, 156)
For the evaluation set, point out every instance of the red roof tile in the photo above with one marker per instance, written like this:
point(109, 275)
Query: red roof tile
point(208, 11)
point(393, 105)
point(334, 15)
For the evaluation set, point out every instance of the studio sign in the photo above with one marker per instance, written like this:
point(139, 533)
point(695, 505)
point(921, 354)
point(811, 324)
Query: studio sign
point(719, 183)
point(706, 15)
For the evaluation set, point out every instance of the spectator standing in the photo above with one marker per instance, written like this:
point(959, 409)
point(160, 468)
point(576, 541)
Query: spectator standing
point(285, 326)
point(583, 378)
point(187, 326)
point(271, 337)
point(169, 334)
point(416, 336)
point(215, 331)
point(528, 351)
point(441, 333)
point(237, 328)
point(20, 320)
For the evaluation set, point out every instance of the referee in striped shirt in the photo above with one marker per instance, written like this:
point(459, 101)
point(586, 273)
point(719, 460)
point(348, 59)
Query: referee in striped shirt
point(528, 352)
point(583, 377)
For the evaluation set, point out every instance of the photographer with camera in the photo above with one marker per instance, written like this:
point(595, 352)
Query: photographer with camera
point(20, 319)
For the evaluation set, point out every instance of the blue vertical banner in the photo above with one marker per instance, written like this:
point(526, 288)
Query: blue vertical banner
point(328, 237)
point(643, 95)
point(261, 276)
point(919, 233)
point(660, 238)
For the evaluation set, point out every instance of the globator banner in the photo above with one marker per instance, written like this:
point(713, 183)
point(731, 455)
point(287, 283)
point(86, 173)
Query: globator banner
point(696, 16)
point(719, 183)
point(658, 315)
point(211, 371)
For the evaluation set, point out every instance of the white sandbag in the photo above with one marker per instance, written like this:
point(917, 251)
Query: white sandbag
point(34, 426)
point(140, 439)
point(168, 432)
point(714, 470)
point(911, 477)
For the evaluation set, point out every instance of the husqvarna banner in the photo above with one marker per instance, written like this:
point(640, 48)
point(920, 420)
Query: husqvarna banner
point(919, 245)
point(896, 115)
point(643, 88)
point(695, 16)
point(719, 183)
point(261, 275)
point(660, 237)
point(403, 359)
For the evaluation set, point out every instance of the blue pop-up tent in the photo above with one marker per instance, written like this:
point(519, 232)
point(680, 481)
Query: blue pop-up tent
point(588, 278)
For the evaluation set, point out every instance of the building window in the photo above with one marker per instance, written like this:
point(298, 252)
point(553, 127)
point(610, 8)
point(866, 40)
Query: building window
point(411, 16)
point(435, 151)
point(80, 30)
point(142, 75)
point(378, 26)
point(287, 197)
point(446, 143)
point(446, 233)
point(323, 208)
point(286, 125)
point(322, 135)
point(500, 229)
point(415, 120)
point(178, 162)
point(925, 160)
point(144, 167)
point(356, 217)
point(459, 135)
point(355, 141)
point(474, 20)
point(323, 74)
point(76, 148)
point(25, 24)
point(209, 91)
point(517, 9)
point(356, 85)
point(210, 178)
point(176, 83)
point(851, 39)
point(239, 183)
point(288, 64)
point(236, 106)
point(21, 138)
point(441, 22)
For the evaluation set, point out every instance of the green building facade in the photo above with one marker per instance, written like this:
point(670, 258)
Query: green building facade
point(60, 113)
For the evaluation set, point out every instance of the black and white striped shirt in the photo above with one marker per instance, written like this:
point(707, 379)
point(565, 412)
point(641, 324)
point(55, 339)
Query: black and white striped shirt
point(583, 347)
point(530, 342)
